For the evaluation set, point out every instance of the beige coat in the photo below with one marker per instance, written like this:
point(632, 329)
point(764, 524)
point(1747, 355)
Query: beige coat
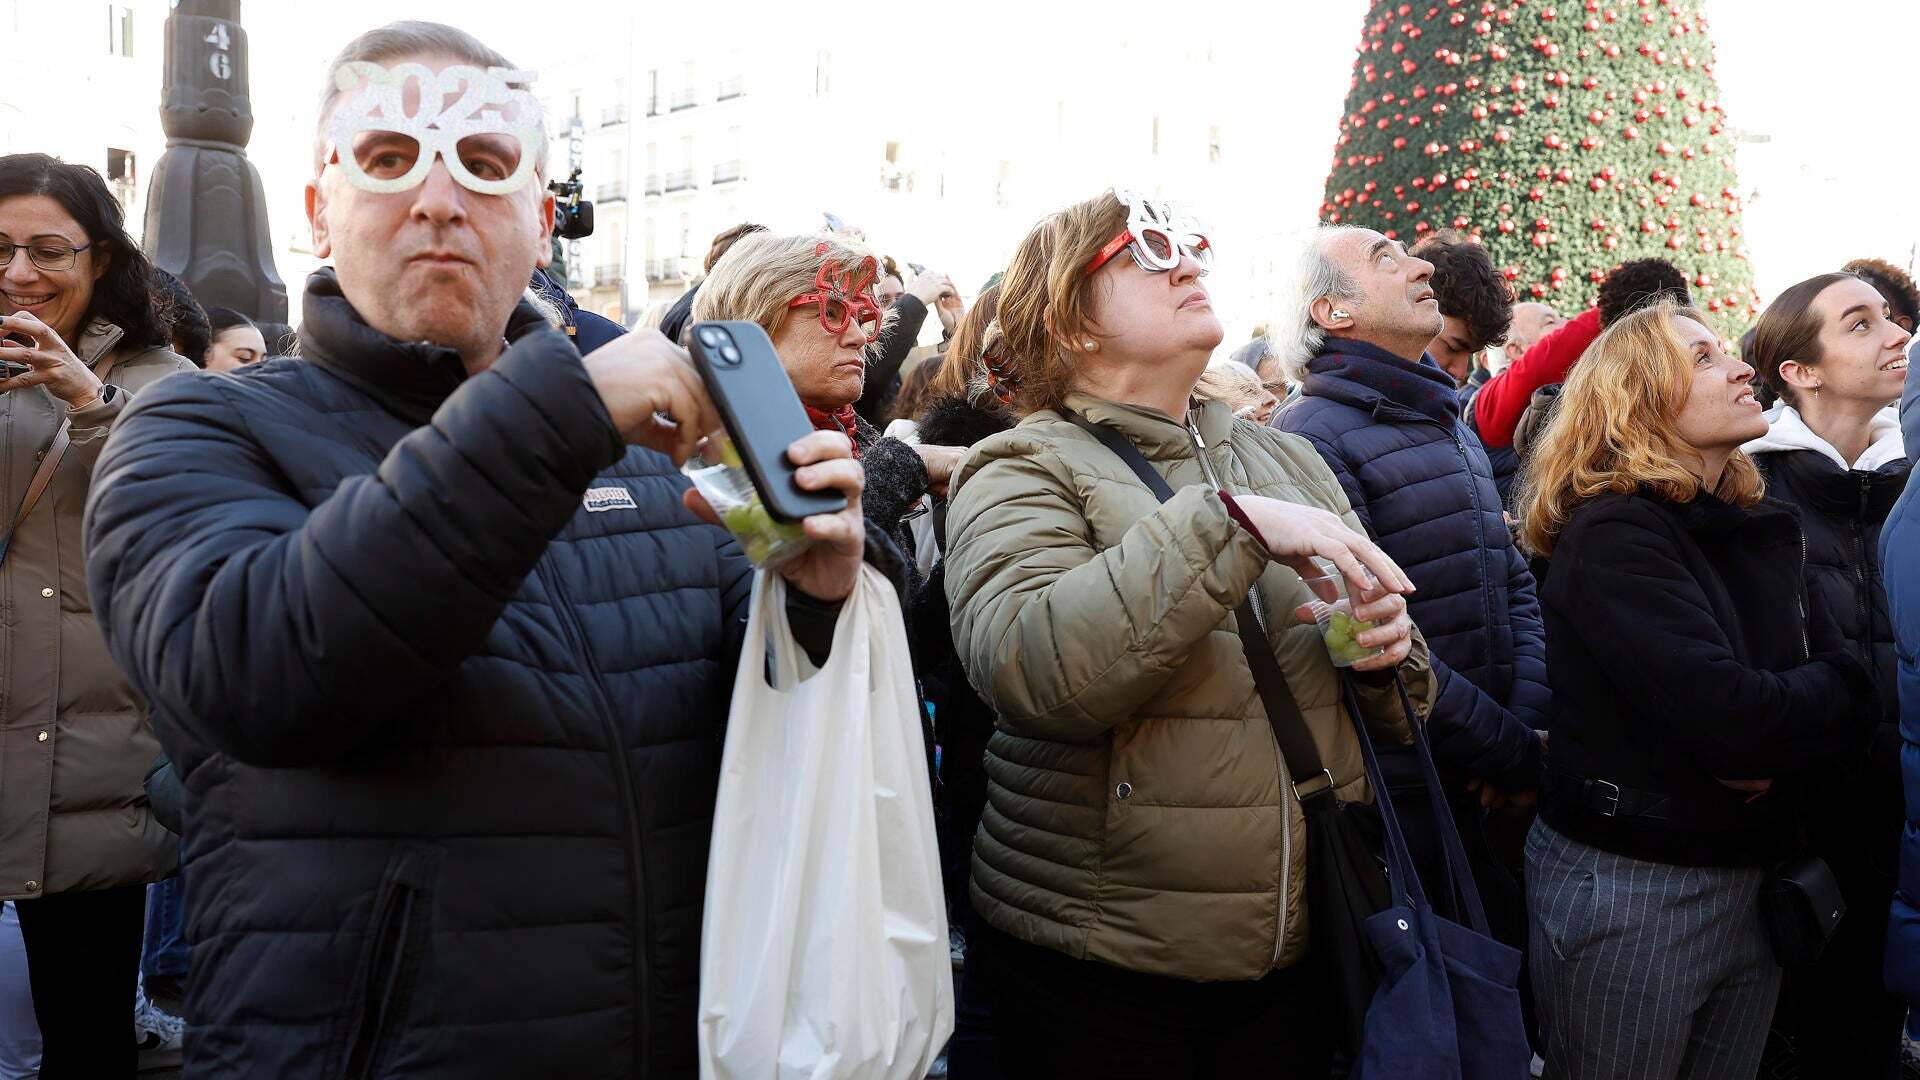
point(1138, 811)
point(75, 744)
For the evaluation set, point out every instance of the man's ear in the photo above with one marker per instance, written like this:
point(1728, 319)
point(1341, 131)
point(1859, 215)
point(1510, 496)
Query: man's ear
point(1331, 314)
point(544, 241)
point(317, 218)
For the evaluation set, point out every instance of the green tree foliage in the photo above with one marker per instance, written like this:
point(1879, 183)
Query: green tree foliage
point(1567, 136)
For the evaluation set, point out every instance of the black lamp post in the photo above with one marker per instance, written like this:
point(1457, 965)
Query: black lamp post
point(206, 211)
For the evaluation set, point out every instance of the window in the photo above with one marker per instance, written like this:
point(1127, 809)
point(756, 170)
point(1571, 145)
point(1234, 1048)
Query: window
point(119, 30)
point(822, 72)
point(120, 175)
point(893, 152)
point(1213, 143)
point(686, 234)
point(120, 165)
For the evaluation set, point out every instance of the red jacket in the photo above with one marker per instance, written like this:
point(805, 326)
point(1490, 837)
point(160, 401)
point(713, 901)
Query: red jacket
point(1497, 408)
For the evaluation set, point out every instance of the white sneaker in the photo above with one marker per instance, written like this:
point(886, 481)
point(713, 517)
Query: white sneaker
point(159, 1033)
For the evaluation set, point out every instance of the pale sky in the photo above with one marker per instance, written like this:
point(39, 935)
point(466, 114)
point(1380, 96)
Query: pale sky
point(1828, 85)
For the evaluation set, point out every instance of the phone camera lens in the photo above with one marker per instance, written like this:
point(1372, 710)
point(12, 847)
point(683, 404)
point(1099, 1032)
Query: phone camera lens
point(711, 335)
point(729, 354)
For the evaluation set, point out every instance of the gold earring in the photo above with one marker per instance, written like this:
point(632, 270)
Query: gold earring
point(1816, 391)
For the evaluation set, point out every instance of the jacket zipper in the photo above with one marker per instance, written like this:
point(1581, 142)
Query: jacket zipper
point(1279, 759)
point(1861, 594)
point(636, 871)
point(1800, 598)
point(387, 985)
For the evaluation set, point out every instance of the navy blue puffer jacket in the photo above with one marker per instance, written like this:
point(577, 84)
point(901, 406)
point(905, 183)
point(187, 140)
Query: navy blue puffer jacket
point(445, 668)
point(1419, 480)
point(1898, 541)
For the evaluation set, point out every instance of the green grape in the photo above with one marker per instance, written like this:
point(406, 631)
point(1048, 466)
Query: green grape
point(1339, 635)
point(760, 536)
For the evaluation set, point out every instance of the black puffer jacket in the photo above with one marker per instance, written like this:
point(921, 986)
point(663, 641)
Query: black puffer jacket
point(445, 668)
point(1841, 511)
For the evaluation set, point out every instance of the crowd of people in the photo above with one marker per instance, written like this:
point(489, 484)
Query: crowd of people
point(363, 685)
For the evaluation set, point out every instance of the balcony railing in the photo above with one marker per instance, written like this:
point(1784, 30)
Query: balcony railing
point(726, 172)
point(615, 114)
point(612, 191)
point(655, 106)
point(730, 88)
point(683, 99)
point(606, 275)
point(680, 180)
point(664, 270)
point(654, 186)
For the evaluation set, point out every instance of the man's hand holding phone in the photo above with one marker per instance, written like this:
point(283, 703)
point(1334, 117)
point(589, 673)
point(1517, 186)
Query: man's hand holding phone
point(653, 393)
point(657, 399)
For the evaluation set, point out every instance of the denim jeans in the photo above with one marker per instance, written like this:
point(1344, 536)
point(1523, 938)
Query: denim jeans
point(19, 1028)
point(164, 953)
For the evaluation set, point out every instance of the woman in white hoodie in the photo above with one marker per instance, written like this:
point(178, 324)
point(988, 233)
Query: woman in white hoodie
point(1829, 348)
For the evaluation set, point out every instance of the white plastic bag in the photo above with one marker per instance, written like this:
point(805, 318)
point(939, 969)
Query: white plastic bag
point(824, 953)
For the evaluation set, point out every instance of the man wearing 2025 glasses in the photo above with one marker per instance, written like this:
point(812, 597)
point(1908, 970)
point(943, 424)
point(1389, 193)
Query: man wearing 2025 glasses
point(439, 650)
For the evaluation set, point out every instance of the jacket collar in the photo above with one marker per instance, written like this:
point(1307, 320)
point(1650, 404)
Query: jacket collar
point(1158, 436)
point(1708, 516)
point(409, 378)
point(1789, 431)
point(1366, 376)
point(97, 340)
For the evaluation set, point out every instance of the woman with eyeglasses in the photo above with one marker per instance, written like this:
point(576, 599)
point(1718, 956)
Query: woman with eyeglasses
point(813, 295)
point(1140, 867)
point(79, 843)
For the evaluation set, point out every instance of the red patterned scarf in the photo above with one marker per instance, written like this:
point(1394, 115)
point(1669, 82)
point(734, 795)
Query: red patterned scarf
point(842, 420)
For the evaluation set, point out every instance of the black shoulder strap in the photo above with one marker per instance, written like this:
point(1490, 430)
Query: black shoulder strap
point(1310, 777)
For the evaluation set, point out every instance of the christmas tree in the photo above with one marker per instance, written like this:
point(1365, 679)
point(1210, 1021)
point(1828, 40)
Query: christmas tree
point(1568, 137)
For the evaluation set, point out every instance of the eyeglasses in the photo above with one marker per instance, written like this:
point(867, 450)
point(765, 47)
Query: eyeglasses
point(43, 255)
point(1155, 238)
point(845, 296)
point(386, 134)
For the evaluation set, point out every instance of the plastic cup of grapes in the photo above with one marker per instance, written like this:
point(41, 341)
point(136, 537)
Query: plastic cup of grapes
point(1333, 610)
point(717, 472)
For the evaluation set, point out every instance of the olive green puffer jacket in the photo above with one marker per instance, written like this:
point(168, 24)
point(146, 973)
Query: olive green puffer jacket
point(1138, 809)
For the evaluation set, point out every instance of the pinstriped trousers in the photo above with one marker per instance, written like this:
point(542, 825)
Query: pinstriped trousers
point(1645, 971)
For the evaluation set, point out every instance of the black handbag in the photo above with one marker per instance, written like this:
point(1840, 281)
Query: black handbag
point(1346, 872)
point(1801, 907)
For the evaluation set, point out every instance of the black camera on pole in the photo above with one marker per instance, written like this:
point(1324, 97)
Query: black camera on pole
point(572, 215)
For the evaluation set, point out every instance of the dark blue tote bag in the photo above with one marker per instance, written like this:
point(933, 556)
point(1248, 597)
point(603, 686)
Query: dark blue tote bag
point(1448, 1005)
